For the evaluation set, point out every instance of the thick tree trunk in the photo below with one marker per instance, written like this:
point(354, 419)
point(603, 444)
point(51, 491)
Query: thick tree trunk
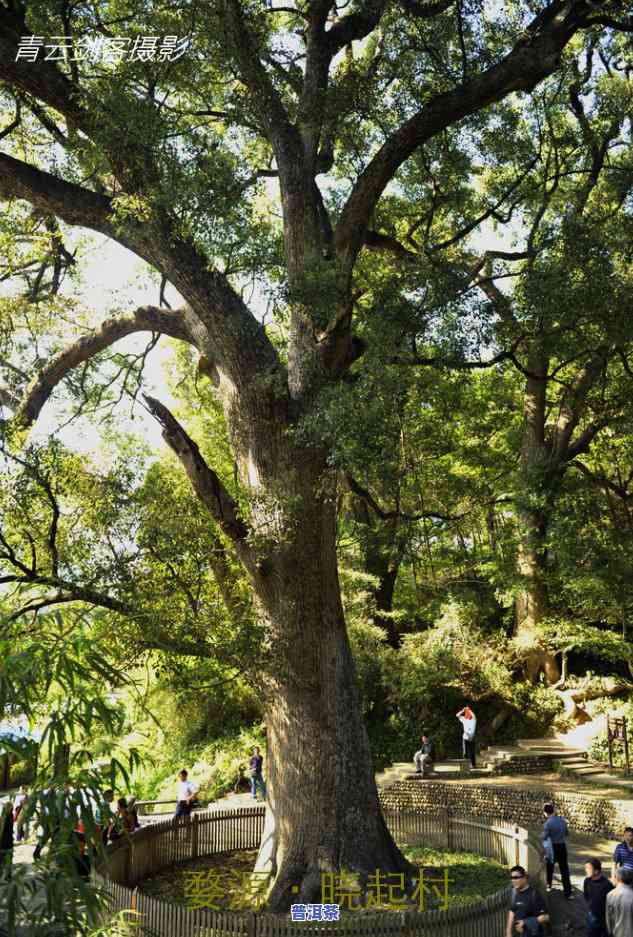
point(323, 812)
point(532, 602)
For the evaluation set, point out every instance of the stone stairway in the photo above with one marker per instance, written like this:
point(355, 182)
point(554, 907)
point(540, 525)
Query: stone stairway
point(526, 756)
point(532, 755)
point(451, 769)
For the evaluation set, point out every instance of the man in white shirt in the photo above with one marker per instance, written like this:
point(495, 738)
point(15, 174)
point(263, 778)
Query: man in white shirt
point(469, 724)
point(185, 793)
point(18, 806)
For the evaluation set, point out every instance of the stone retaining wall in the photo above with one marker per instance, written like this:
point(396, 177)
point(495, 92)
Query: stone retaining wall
point(585, 813)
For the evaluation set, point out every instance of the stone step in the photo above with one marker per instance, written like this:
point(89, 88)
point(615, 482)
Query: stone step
point(544, 745)
point(455, 763)
point(586, 771)
point(571, 763)
point(499, 752)
point(435, 776)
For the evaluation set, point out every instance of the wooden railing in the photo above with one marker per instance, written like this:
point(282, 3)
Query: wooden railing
point(175, 840)
point(146, 807)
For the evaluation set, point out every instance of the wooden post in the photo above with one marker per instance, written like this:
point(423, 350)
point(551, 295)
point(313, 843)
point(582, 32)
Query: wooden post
point(610, 742)
point(626, 744)
point(517, 857)
point(126, 864)
point(194, 836)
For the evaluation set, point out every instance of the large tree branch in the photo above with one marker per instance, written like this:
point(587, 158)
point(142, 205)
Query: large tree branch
point(376, 240)
point(356, 25)
point(232, 335)
point(311, 104)
point(144, 319)
point(622, 26)
point(622, 491)
point(461, 364)
point(368, 498)
point(573, 403)
point(45, 81)
point(271, 111)
point(69, 592)
point(52, 195)
point(582, 443)
point(205, 482)
point(488, 213)
point(535, 56)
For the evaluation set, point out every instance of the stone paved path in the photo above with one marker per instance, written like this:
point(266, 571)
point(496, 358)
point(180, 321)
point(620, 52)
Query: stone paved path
point(568, 917)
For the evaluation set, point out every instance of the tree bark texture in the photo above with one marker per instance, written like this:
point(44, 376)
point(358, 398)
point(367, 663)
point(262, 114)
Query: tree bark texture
point(323, 809)
point(538, 492)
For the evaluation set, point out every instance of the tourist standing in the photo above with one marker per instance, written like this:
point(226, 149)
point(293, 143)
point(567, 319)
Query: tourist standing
point(6, 839)
point(595, 888)
point(469, 724)
point(555, 829)
point(185, 793)
point(424, 757)
point(47, 819)
point(257, 778)
point(620, 904)
point(623, 853)
point(133, 812)
point(126, 818)
point(104, 816)
point(528, 911)
point(21, 832)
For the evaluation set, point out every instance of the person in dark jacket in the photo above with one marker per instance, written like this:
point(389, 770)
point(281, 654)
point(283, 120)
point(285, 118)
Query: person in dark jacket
point(595, 889)
point(6, 839)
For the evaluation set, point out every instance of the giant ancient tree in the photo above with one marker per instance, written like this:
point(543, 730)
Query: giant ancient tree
point(167, 158)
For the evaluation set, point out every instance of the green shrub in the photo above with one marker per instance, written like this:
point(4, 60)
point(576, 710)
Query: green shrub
point(214, 767)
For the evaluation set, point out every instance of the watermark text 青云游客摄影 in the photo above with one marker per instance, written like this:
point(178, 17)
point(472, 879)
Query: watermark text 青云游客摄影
point(102, 48)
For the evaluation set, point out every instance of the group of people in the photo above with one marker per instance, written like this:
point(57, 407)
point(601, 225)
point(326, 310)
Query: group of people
point(61, 813)
point(186, 790)
point(609, 902)
point(425, 755)
point(14, 827)
point(114, 822)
